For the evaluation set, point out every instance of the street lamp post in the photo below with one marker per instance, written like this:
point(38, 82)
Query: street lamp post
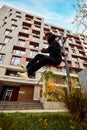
point(66, 64)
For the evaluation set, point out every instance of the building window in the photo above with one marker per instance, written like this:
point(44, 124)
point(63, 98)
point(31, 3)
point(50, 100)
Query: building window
point(18, 17)
point(28, 20)
point(4, 24)
point(33, 53)
point(85, 65)
point(82, 60)
point(33, 46)
point(46, 29)
point(61, 33)
point(11, 73)
point(5, 18)
point(35, 39)
point(77, 64)
point(36, 33)
point(13, 26)
point(86, 49)
point(19, 52)
point(73, 51)
point(45, 41)
point(70, 40)
point(17, 12)
point(37, 23)
point(15, 60)
point(21, 42)
point(54, 31)
point(46, 25)
point(10, 10)
point(26, 30)
point(26, 24)
point(75, 59)
point(7, 39)
point(38, 28)
point(1, 58)
point(7, 31)
point(10, 14)
point(1, 47)
point(29, 16)
point(24, 36)
point(63, 70)
point(45, 45)
point(13, 21)
point(72, 71)
point(38, 19)
point(81, 53)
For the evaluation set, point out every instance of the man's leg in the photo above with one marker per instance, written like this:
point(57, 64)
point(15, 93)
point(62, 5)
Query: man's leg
point(34, 60)
point(30, 66)
point(44, 61)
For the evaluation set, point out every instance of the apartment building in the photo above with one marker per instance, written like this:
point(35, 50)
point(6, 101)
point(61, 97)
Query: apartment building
point(21, 37)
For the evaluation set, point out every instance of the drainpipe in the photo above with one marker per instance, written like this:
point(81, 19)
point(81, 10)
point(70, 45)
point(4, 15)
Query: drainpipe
point(63, 40)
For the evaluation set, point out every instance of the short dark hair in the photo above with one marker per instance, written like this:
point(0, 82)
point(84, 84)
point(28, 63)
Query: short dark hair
point(49, 34)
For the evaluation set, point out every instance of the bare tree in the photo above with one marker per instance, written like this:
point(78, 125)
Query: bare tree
point(80, 19)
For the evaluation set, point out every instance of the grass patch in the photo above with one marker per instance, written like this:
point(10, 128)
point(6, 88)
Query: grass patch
point(40, 121)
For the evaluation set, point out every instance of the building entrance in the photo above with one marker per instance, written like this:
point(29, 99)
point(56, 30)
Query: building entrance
point(9, 93)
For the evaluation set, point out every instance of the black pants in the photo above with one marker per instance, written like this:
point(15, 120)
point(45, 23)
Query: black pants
point(40, 60)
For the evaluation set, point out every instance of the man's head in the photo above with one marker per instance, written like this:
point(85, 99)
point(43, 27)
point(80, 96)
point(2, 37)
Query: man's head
point(48, 35)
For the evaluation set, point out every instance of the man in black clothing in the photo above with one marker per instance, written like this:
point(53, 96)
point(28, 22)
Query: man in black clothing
point(54, 58)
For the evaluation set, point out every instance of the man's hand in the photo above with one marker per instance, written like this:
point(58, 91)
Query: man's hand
point(39, 52)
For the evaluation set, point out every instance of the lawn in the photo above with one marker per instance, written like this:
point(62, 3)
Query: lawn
point(40, 121)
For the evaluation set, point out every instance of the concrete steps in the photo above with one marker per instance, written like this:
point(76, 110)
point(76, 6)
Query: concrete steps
point(5, 105)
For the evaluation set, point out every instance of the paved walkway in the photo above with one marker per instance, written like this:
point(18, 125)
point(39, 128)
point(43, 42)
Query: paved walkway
point(32, 111)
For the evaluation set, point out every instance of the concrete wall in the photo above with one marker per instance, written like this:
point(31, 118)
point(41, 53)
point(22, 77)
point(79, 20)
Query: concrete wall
point(82, 75)
point(54, 106)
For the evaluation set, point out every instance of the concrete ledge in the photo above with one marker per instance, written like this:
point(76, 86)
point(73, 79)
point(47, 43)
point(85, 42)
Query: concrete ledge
point(48, 105)
point(31, 111)
point(11, 79)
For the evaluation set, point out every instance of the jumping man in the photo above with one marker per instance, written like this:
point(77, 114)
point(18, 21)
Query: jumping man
point(54, 58)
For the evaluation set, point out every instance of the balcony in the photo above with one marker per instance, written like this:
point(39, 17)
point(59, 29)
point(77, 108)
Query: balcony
point(23, 35)
point(6, 79)
point(38, 19)
point(28, 21)
point(10, 79)
point(38, 23)
point(19, 52)
point(26, 24)
point(36, 33)
point(46, 29)
point(32, 53)
point(33, 46)
point(29, 16)
point(36, 39)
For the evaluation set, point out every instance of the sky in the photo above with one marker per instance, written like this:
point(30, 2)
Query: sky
point(56, 12)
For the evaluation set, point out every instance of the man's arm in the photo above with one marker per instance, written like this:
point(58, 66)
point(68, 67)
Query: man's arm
point(45, 50)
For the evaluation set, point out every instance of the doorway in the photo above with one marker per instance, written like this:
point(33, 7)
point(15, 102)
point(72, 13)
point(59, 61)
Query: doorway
point(9, 93)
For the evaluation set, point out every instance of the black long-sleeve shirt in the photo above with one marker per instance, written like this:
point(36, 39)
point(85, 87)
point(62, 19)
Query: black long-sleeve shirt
point(54, 48)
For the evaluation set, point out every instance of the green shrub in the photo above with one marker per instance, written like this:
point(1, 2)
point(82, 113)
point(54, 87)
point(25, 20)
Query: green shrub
point(77, 104)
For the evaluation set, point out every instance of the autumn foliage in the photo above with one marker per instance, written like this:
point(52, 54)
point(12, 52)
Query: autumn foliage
point(50, 86)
